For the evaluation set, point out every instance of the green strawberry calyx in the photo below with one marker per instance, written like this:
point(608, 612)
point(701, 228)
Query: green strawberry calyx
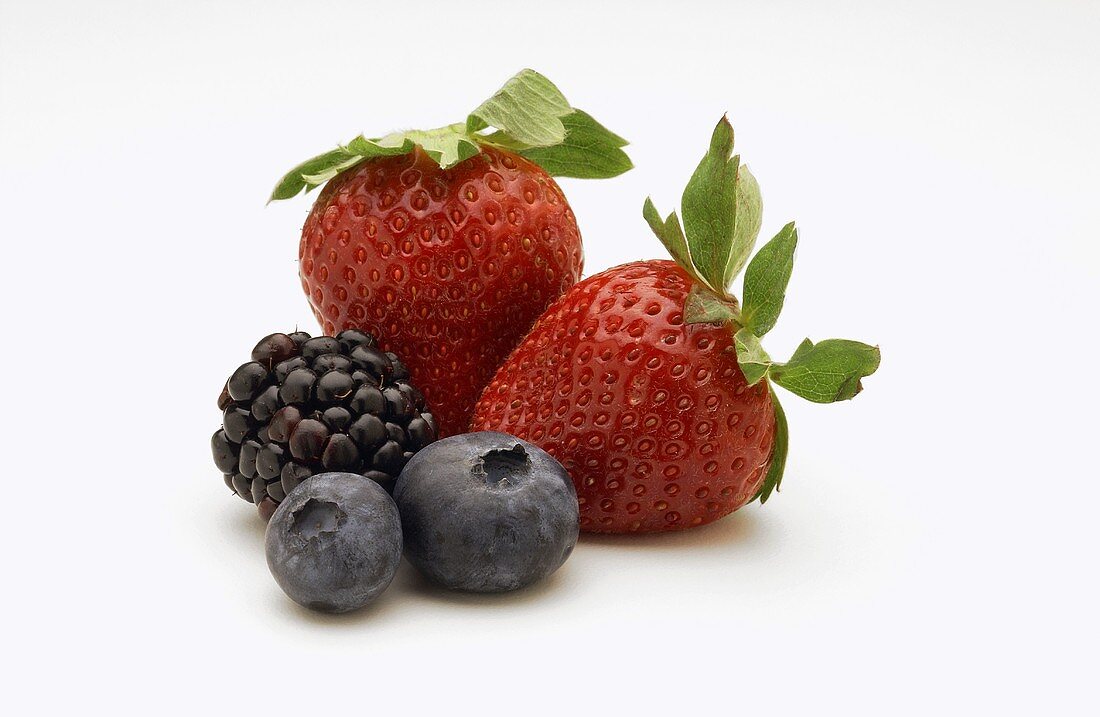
point(528, 115)
point(722, 211)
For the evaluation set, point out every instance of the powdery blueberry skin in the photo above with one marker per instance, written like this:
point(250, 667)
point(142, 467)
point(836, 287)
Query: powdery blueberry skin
point(335, 542)
point(486, 512)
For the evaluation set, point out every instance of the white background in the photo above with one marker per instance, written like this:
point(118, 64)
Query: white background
point(934, 548)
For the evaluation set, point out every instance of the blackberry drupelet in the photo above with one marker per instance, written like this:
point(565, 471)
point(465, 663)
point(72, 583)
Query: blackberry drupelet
point(305, 405)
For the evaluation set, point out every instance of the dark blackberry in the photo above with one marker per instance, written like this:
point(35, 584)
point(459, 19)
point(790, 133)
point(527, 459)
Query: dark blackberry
point(400, 372)
point(305, 405)
point(368, 400)
point(336, 418)
point(297, 387)
point(334, 387)
point(299, 338)
point(237, 422)
point(266, 404)
point(373, 361)
point(282, 423)
point(351, 338)
point(226, 453)
point(247, 381)
point(307, 440)
point(274, 349)
point(285, 367)
point(319, 346)
point(332, 362)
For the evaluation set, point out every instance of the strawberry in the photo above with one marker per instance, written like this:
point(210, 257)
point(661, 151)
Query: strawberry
point(648, 381)
point(447, 244)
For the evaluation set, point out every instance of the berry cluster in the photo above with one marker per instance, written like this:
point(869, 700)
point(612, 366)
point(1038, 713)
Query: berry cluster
point(304, 405)
point(638, 400)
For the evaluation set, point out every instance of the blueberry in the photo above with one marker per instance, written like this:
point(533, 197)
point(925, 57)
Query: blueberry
point(334, 543)
point(486, 512)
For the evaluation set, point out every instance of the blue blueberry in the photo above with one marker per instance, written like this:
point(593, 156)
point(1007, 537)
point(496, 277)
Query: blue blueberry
point(486, 512)
point(334, 543)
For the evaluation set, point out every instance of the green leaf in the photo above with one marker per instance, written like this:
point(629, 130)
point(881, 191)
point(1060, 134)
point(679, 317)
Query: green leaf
point(750, 211)
point(672, 236)
point(528, 108)
point(774, 478)
point(703, 306)
point(320, 169)
point(751, 356)
point(828, 371)
point(766, 280)
point(392, 144)
point(293, 182)
point(447, 145)
point(709, 207)
point(530, 116)
point(589, 151)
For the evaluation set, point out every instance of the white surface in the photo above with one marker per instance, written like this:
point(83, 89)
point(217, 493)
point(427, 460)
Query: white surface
point(933, 550)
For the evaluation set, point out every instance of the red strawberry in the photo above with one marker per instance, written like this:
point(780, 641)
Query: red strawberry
point(448, 244)
point(651, 416)
point(645, 381)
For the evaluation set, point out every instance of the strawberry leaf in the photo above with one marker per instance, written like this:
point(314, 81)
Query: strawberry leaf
point(589, 150)
point(721, 209)
point(447, 145)
point(672, 236)
point(709, 207)
point(528, 108)
point(294, 181)
point(314, 172)
point(530, 116)
point(766, 278)
point(828, 371)
point(703, 306)
point(751, 356)
point(774, 478)
point(746, 225)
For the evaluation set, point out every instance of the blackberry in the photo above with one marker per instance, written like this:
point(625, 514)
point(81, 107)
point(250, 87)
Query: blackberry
point(306, 405)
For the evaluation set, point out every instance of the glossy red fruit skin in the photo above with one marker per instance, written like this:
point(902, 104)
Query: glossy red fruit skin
point(652, 418)
point(448, 268)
